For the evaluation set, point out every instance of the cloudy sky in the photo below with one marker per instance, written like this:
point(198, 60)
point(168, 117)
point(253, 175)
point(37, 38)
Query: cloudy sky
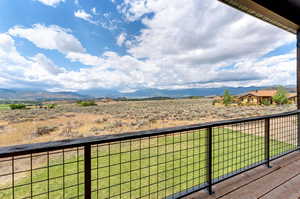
point(126, 45)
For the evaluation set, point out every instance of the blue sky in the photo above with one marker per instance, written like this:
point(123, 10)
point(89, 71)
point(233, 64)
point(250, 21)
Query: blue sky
point(127, 45)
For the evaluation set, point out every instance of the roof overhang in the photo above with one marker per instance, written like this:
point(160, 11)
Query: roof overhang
point(282, 13)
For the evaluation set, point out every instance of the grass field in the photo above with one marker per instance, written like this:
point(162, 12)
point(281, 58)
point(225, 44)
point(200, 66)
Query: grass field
point(148, 168)
point(4, 106)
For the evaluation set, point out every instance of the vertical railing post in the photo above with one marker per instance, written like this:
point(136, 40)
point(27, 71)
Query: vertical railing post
point(298, 87)
point(267, 142)
point(87, 172)
point(209, 159)
point(298, 131)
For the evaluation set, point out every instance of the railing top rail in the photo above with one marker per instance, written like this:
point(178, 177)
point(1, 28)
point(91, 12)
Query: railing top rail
point(79, 142)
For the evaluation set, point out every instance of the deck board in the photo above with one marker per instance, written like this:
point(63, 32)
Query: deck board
point(280, 181)
point(290, 188)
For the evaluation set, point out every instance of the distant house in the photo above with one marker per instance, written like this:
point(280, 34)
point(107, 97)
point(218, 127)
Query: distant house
point(260, 96)
point(106, 100)
point(292, 98)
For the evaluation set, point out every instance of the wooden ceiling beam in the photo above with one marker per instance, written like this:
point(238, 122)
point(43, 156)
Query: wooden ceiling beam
point(271, 14)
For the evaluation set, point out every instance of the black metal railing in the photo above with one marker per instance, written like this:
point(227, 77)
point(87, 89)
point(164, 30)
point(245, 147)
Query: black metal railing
point(162, 163)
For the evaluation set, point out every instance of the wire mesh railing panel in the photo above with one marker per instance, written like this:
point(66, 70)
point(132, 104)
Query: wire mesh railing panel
point(55, 174)
point(283, 134)
point(236, 147)
point(153, 167)
point(164, 163)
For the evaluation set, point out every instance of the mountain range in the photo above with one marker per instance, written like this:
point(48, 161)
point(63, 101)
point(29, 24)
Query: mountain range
point(37, 95)
point(145, 93)
point(41, 95)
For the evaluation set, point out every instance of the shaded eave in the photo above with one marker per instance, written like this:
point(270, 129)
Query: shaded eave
point(253, 95)
point(282, 13)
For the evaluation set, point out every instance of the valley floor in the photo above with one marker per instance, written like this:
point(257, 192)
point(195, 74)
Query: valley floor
point(71, 121)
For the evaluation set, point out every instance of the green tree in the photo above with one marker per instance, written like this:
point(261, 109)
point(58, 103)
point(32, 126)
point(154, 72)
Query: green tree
point(266, 102)
point(227, 98)
point(281, 96)
point(87, 103)
point(51, 106)
point(17, 106)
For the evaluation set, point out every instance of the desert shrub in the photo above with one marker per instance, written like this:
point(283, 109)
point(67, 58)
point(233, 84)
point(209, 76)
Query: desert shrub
point(17, 106)
point(71, 129)
point(227, 98)
point(214, 102)
point(87, 103)
point(98, 121)
point(70, 115)
point(51, 106)
point(118, 124)
point(68, 132)
point(44, 130)
point(195, 97)
point(265, 102)
point(281, 96)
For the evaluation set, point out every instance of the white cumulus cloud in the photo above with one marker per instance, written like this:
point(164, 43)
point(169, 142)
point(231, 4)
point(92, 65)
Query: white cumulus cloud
point(49, 37)
point(51, 2)
point(83, 15)
point(20, 71)
point(94, 11)
point(85, 58)
point(121, 39)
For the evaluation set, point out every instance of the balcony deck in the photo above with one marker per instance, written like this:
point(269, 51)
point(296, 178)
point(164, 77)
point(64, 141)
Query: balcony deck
point(280, 181)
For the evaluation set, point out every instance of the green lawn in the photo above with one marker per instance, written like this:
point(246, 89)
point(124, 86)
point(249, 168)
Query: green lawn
point(151, 168)
point(4, 106)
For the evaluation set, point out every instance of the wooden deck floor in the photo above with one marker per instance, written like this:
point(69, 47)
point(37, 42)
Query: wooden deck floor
point(282, 181)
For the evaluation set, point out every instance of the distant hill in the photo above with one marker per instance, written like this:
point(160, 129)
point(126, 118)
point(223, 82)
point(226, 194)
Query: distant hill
point(38, 95)
point(148, 93)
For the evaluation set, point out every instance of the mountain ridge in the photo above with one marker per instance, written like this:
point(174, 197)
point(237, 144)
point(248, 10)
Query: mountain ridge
point(41, 95)
point(146, 93)
point(38, 95)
